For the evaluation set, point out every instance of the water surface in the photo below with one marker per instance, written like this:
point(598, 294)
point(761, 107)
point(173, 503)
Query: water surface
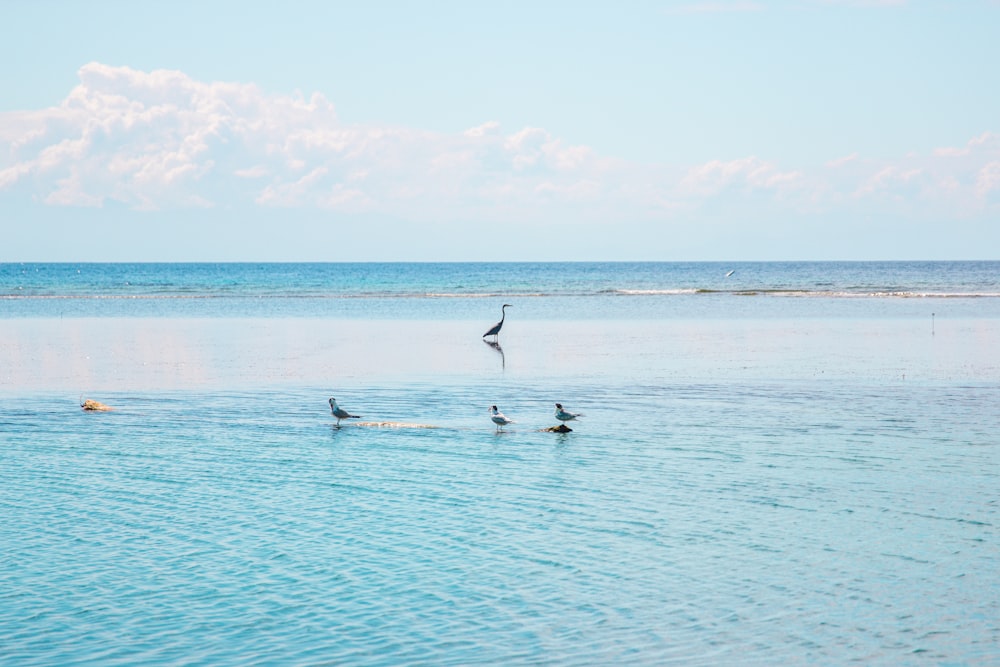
point(803, 475)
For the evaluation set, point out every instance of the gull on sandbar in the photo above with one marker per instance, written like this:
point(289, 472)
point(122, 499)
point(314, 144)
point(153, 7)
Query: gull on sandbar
point(499, 419)
point(564, 416)
point(340, 413)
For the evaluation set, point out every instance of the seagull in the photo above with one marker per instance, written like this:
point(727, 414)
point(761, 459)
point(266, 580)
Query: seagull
point(495, 329)
point(340, 413)
point(499, 419)
point(564, 416)
point(731, 273)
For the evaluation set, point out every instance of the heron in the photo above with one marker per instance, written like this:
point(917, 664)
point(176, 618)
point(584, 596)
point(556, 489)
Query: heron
point(564, 416)
point(340, 413)
point(495, 329)
point(499, 419)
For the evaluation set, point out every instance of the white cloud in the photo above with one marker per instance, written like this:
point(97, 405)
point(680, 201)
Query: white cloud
point(257, 171)
point(988, 179)
point(747, 173)
point(341, 197)
point(885, 179)
point(983, 141)
point(841, 161)
point(162, 140)
point(68, 192)
point(526, 147)
point(949, 183)
point(578, 190)
point(950, 152)
point(486, 129)
point(292, 193)
point(151, 139)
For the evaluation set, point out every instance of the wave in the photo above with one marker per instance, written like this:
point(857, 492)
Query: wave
point(846, 294)
point(651, 292)
point(477, 295)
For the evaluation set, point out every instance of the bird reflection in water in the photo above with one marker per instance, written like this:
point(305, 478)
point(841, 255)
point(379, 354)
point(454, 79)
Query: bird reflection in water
point(496, 346)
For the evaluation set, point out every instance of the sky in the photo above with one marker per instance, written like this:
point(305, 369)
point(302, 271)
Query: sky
point(682, 130)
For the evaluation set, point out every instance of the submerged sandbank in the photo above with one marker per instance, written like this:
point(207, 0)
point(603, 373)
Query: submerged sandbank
point(149, 354)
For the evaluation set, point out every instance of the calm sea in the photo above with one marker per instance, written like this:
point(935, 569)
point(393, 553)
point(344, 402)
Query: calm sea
point(616, 290)
point(777, 463)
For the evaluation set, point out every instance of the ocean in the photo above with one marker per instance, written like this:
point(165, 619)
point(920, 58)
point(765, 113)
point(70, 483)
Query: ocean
point(776, 463)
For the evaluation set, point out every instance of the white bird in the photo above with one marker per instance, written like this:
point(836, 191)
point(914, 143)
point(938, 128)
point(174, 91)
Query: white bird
point(339, 412)
point(498, 418)
point(564, 416)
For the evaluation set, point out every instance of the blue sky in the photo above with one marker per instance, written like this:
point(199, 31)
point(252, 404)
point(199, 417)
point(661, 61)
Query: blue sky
point(687, 130)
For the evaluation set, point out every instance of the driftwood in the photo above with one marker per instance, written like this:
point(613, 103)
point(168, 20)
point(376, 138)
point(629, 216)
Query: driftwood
point(94, 406)
point(562, 428)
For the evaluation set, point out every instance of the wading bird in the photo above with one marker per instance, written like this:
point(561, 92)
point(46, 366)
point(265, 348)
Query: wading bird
point(495, 329)
point(564, 416)
point(339, 412)
point(498, 418)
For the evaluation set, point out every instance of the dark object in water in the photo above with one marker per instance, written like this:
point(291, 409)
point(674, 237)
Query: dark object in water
point(495, 329)
point(562, 428)
point(94, 406)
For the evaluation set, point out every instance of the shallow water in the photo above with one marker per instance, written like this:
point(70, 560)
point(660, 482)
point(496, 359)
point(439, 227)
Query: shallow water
point(87, 355)
point(701, 524)
point(785, 488)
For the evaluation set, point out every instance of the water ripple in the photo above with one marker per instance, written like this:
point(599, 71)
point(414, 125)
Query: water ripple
point(703, 524)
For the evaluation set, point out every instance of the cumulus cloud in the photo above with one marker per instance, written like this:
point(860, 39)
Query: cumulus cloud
point(150, 139)
point(160, 139)
point(889, 178)
point(950, 181)
point(985, 141)
point(163, 140)
point(841, 161)
point(748, 173)
point(486, 129)
point(988, 179)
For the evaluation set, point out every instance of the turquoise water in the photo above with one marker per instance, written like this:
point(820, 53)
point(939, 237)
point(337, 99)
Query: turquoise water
point(618, 290)
point(784, 471)
point(508, 278)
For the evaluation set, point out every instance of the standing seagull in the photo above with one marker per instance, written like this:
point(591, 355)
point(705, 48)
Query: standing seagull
point(495, 329)
point(340, 413)
point(499, 419)
point(564, 416)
